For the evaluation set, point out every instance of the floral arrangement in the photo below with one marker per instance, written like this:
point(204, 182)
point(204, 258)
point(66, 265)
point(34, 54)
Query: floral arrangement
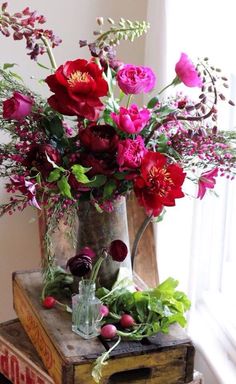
point(88, 142)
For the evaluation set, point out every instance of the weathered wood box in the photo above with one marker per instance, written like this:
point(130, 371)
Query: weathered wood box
point(163, 359)
point(19, 361)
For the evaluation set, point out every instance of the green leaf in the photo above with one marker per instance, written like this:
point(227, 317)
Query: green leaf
point(54, 175)
point(43, 66)
point(98, 181)
point(151, 104)
point(64, 187)
point(54, 127)
point(8, 65)
point(109, 188)
point(79, 173)
point(18, 77)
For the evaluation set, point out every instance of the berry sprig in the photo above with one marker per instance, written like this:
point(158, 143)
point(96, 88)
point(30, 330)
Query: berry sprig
point(27, 25)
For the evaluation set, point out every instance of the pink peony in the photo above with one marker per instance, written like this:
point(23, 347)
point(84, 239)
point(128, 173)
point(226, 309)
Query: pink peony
point(130, 153)
point(186, 72)
point(135, 79)
point(206, 180)
point(17, 107)
point(131, 120)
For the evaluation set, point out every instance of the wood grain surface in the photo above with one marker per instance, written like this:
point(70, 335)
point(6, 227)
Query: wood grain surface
point(162, 359)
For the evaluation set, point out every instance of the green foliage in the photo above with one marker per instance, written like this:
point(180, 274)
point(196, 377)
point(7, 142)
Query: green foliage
point(153, 310)
point(79, 173)
point(64, 187)
point(124, 30)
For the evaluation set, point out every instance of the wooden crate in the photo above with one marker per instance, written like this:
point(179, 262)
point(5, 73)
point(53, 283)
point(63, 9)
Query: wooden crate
point(19, 361)
point(163, 359)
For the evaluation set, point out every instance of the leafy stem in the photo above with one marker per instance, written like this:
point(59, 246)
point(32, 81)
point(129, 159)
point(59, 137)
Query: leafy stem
point(49, 52)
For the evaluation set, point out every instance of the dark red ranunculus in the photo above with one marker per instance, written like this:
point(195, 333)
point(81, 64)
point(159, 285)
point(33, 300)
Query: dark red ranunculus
point(118, 250)
point(77, 86)
point(37, 158)
point(99, 138)
point(17, 107)
point(159, 183)
point(104, 166)
point(79, 265)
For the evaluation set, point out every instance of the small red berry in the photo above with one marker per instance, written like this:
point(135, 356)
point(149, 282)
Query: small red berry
point(49, 302)
point(127, 321)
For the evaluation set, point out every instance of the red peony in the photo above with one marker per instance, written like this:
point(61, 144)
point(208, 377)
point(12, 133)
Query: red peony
point(17, 107)
point(159, 183)
point(99, 138)
point(77, 86)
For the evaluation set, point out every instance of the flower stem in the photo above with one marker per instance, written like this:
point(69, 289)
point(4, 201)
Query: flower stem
point(139, 236)
point(128, 101)
point(49, 52)
point(96, 269)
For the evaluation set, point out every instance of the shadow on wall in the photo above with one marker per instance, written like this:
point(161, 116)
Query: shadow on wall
point(19, 250)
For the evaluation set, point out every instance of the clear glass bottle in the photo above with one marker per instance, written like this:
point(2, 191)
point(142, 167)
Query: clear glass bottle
point(86, 314)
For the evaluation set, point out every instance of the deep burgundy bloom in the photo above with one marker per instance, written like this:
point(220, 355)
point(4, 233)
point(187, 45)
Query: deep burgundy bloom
point(99, 138)
point(17, 107)
point(118, 250)
point(186, 72)
point(80, 265)
point(99, 166)
point(159, 183)
point(135, 79)
point(37, 158)
point(77, 86)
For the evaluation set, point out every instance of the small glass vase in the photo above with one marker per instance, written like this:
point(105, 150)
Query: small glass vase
point(86, 314)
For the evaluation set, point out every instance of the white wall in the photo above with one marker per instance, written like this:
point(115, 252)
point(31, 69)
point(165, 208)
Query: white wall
point(71, 20)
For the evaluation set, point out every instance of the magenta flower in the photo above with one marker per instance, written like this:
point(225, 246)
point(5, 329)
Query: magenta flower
point(27, 188)
point(186, 72)
point(17, 107)
point(133, 79)
point(131, 120)
point(130, 153)
point(206, 180)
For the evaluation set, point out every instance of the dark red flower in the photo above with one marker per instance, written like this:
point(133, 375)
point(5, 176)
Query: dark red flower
point(77, 86)
point(159, 183)
point(99, 138)
point(99, 166)
point(79, 265)
point(38, 155)
point(118, 250)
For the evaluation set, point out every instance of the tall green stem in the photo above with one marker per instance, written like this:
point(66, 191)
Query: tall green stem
point(49, 52)
point(139, 236)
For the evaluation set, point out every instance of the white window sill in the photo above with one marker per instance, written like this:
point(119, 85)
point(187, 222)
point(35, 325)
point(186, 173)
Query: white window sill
point(215, 341)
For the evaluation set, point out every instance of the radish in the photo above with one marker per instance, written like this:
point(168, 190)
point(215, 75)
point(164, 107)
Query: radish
point(49, 302)
point(108, 331)
point(127, 321)
point(104, 310)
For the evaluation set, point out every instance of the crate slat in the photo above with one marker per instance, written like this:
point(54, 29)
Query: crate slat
point(19, 361)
